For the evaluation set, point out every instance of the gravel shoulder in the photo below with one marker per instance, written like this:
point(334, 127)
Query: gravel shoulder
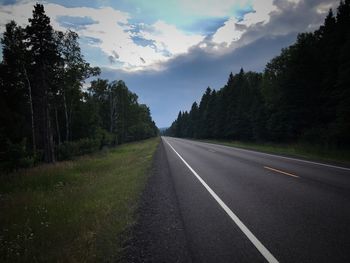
point(159, 234)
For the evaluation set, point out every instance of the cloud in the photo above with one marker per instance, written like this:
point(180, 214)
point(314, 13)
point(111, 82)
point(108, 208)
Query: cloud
point(185, 77)
point(261, 14)
point(113, 32)
point(155, 43)
point(111, 59)
point(219, 8)
point(167, 37)
point(271, 18)
point(75, 22)
point(228, 33)
point(291, 16)
point(234, 27)
point(174, 65)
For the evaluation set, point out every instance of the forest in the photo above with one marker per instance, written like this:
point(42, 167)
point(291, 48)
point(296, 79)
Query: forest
point(302, 95)
point(45, 113)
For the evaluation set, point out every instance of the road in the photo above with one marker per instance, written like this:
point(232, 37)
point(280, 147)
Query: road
point(244, 206)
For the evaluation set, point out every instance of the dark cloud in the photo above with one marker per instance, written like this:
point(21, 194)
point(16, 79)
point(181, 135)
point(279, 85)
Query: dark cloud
point(115, 54)
point(186, 77)
point(111, 59)
point(290, 18)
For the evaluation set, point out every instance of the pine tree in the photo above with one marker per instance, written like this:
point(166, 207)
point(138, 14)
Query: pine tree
point(42, 45)
point(16, 89)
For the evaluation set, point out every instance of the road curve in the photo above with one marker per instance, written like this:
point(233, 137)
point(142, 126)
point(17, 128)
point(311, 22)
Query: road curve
point(244, 206)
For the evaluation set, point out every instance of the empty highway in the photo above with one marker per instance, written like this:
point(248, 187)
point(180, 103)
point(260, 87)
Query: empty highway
point(243, 206)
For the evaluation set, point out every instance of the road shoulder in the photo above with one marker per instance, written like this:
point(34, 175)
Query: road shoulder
point(158, 235)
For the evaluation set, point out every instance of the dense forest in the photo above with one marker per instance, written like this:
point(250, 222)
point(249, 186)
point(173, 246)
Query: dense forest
point(303, 95)
point(45, 113)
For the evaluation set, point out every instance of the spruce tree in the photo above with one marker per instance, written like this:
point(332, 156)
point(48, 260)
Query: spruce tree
point(45, 59)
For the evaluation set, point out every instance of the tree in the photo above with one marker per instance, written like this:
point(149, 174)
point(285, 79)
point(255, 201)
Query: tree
point(42, 98)
point(45, 59)
point(72, 72)
point(194, 119)
point(16, 87)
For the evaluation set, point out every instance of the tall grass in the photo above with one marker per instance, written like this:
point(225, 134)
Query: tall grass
point(73, 211)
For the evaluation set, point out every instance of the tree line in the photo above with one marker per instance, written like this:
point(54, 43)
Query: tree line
point(303, 94)
point(45, 113)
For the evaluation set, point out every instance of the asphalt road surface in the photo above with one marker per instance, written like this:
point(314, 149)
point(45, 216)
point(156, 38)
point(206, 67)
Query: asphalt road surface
point(244, 206)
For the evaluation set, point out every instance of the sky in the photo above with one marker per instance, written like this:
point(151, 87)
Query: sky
point(169, 51)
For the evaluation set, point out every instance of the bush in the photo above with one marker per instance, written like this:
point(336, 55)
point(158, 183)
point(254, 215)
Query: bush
point(15, 156)
point(68, 150)
point(106, 138)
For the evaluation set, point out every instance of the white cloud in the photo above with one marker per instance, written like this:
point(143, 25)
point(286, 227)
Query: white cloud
point(115, 34)
point(262, 9)
point(294, 1)
point(227, 33)
point(20, 13)
point(113, 31)
point(232, 30)
point(324, 8)
point(168, 38)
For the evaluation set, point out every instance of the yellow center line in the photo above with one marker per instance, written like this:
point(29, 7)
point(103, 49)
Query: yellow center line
point(279, 171)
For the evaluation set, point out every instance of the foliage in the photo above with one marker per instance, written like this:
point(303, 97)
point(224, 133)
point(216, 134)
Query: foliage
point(17, 156)
point(303, 95)
point(43, 101)
point(69, 149)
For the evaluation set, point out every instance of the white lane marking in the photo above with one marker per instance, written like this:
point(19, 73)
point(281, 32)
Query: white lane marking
point(279, 171)
point(259, 246)
point(278, 156)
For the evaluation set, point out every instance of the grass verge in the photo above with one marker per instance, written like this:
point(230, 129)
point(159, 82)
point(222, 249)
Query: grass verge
point(73, 211)
point(304, 151)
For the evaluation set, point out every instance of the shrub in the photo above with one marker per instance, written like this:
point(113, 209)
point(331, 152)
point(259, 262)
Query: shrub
point(68, 150)
point(15, 156)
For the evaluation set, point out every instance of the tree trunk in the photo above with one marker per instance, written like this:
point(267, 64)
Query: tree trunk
point(49, 151)
point(111, 111)
point(70, 121)
point(31, 109)
point(66, 115)
point(50, 144)
point(57, 128)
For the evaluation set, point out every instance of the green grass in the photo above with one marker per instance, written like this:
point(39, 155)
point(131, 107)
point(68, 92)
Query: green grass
point(311, 152)
point(73, 211)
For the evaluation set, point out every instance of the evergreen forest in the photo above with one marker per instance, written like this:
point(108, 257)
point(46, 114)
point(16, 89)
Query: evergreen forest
point(302, 95)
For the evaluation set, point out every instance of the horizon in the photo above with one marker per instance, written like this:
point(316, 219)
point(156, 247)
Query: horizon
point(175, 50)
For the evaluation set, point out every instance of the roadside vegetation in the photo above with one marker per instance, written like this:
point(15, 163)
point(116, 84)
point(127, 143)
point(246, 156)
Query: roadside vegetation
point(310, 152)
point(73, 211)
point(45, 113)
point(300, 101)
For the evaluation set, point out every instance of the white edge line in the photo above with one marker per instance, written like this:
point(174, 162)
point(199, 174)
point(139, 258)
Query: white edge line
point(278, 156)
point(259, 246)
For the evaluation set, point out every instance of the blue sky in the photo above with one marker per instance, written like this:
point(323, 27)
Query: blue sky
point(169, 51)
